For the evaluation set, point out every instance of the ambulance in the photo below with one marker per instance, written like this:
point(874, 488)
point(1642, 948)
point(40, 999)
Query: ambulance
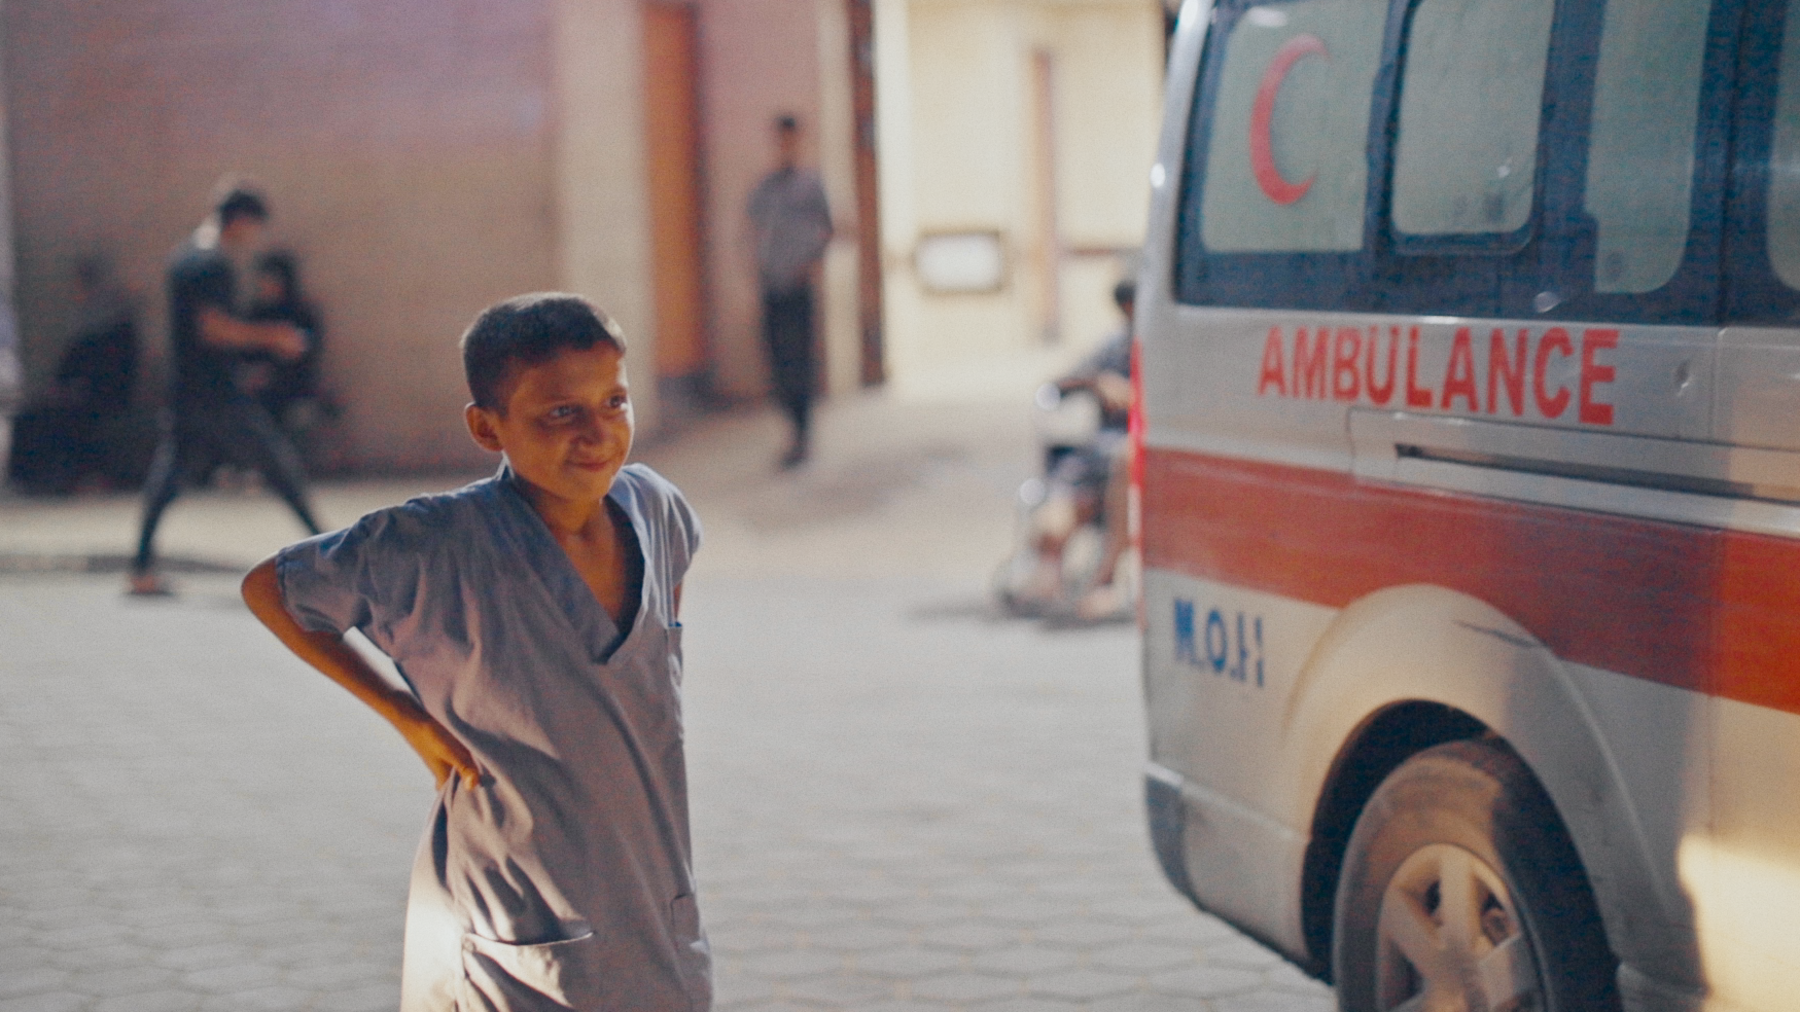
point(1469, 496)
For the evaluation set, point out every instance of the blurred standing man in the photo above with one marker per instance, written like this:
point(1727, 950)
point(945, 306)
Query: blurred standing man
point(211, 419)
point(792, 223)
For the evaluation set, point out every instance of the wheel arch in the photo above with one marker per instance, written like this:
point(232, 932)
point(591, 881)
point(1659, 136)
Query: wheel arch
point(1378, 746)
point(1407, 668)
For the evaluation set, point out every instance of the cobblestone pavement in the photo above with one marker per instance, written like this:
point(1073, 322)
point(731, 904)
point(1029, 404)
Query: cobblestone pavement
point(899, 802)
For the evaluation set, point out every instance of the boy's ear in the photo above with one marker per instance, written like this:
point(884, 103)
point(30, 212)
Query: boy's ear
point(482, 428)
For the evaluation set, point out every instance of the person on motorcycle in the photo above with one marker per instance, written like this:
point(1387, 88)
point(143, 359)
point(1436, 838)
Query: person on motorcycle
point(1090, 484)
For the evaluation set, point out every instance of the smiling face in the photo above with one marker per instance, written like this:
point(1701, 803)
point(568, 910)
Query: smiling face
point(567, 425)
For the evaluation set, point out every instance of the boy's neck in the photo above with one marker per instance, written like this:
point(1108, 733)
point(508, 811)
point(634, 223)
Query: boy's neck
point(566, 517)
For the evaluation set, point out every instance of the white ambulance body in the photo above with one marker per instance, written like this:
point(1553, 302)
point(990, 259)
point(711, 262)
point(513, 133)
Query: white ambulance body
point(1470, 490)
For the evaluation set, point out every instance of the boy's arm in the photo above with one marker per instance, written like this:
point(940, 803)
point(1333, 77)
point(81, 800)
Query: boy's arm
point(443, 754)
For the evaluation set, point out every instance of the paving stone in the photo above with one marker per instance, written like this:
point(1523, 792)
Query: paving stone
point(1143, 957)
point(734, 986)
point(200, 957)
point(104, 956)
point(124, 980)
point(1205, 981)
point(908, 1005)
point(1241, 951)
point(1148, 1001)
point(907, 962)
point(368, 998)
point(969, 935)
point(792, 963)
point(24, 957)
point(966, 987)
point(840, 989)
point(1079, 934)
point(1080, 984)
point(164, 1000)
point(755, 938)
point(1035, 1003)
point(233, 977)
point(1275, 1001)
point(920, 913)
point(47, 1001)
point(323, 976)
point(260, 999)
point(860, 936)
point(1023, 959)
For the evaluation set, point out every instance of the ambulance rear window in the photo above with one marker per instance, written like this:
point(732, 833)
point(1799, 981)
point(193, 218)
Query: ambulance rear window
point(1640, 170)
point(1784, 163)
point(1470, 100)
point(1287, 163)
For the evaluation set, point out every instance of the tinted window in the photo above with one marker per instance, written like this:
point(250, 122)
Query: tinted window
point(1784, 163)
point(1470, 100)
point(1287, 163)
point(1641, 142)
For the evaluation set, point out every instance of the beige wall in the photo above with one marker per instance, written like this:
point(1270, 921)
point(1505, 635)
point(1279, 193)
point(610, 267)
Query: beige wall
point(957, 140)
point(602, 232)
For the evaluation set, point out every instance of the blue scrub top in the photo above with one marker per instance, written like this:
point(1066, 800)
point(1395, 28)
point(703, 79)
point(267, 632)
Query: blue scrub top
point(565, 880)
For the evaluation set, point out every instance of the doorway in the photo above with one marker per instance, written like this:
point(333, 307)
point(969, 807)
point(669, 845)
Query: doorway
point(672, 128)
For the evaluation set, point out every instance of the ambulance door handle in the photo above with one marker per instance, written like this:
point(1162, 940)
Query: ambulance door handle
point(1543, 302)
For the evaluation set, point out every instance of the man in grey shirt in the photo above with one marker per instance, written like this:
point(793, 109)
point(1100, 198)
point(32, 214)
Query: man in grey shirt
point(792, 224)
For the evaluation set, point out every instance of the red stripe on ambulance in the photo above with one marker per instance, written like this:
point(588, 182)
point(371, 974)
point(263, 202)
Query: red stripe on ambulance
point(1706, 610)
point(1365, 365)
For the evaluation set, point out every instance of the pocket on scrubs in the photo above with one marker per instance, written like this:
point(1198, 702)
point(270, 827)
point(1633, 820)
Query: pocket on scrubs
point(546, 977)
point(692, 953)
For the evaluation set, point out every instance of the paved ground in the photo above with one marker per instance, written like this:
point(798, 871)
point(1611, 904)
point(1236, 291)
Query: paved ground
point(900, 801)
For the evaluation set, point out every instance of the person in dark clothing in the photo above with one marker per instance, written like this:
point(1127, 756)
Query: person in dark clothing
point(211, 419)
point(279, 385)
point(64, 438)
point(792, 224)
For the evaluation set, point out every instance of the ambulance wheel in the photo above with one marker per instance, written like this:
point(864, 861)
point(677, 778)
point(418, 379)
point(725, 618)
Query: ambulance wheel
point(1461, 890)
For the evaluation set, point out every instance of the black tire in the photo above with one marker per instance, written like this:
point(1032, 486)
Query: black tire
point(1460, 890)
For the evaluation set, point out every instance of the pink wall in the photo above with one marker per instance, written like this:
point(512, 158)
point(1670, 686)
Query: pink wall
point(405, 146)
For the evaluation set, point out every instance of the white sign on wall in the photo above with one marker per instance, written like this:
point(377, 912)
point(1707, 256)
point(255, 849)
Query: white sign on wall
point(960, 262)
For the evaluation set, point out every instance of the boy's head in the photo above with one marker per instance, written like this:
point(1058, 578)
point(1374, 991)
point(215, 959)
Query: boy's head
point(529, 330)
point(547, 374)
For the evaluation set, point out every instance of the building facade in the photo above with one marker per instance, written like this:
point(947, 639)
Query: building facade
point(427, 157)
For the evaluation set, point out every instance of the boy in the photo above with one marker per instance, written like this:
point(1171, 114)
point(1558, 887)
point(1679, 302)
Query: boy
point(533, 616)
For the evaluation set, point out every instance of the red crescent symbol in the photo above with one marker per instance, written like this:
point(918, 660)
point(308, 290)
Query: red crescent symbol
point(1262, 154)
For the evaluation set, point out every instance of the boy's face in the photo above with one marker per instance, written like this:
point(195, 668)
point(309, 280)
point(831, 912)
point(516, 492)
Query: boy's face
point(567, 425)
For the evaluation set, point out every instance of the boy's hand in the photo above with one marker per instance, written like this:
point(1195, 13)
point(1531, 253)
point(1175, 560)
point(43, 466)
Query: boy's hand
point(443, 754)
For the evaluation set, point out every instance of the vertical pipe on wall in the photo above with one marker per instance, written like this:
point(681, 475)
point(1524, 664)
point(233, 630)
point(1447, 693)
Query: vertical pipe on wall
point(868, 212)
point(1047, 242)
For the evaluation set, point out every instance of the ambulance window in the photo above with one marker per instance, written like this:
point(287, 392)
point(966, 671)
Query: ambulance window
point(1470, 101)
point(1784, 163)
point(1640, 170)
point(1287, 163)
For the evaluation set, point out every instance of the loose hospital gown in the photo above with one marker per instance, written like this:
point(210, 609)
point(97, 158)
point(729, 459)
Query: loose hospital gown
point(565, 879)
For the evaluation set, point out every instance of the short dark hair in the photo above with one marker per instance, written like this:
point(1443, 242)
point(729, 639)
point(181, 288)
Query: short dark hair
point(240, 202)
point(1125, 293)
point(529, 330)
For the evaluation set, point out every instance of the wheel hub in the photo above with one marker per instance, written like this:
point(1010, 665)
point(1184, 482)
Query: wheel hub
point(1450, 939)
